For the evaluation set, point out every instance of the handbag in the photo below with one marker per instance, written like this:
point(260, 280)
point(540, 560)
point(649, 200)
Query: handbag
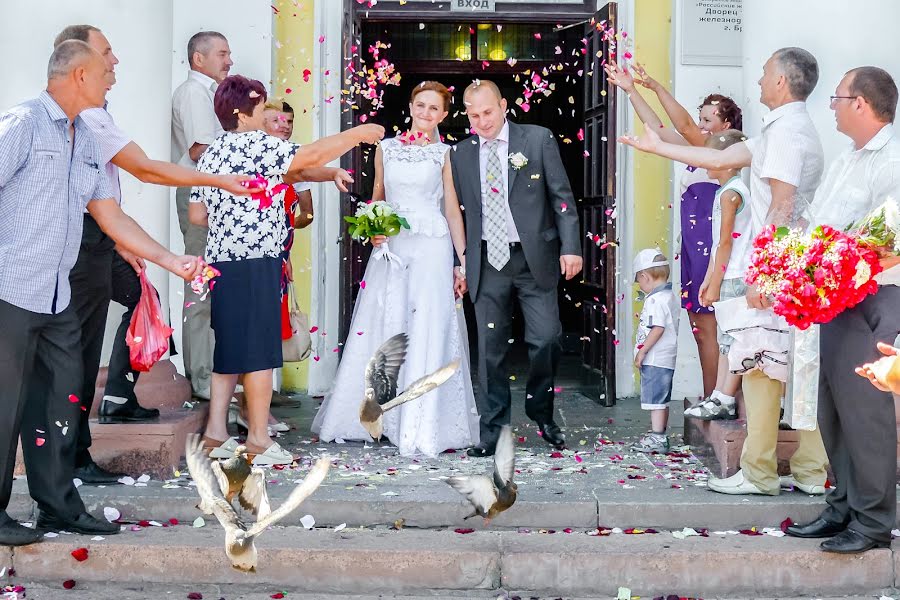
point(297, 347)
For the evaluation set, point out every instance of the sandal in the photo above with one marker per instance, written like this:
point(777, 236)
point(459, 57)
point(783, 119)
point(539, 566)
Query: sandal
point(273, 455)
point(218, 448)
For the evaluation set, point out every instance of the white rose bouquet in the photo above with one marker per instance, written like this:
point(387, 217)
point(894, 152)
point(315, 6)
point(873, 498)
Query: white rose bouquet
point(375, 218)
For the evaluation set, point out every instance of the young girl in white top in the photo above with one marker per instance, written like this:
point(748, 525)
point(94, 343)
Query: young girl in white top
point(732, 242)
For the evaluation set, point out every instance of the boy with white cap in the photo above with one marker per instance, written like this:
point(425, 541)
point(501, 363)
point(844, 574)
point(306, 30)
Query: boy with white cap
point(656, 345)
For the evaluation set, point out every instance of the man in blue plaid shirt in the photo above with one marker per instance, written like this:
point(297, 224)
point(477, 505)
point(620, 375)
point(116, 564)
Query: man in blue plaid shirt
point(50, 171)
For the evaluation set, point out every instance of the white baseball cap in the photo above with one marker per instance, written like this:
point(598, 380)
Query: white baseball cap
point(645, 260)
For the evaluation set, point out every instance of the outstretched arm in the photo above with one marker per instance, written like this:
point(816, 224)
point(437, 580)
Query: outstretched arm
point(679, 115)
point(128, 234)
point(329, 148)
point(622, 79)
point(733, 157)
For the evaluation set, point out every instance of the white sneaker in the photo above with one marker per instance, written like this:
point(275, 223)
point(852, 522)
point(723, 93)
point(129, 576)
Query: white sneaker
point(788, 481)
point(274, 455)
point(736, 485)
point(652, 442)
point(712, 410)
point(226, 450)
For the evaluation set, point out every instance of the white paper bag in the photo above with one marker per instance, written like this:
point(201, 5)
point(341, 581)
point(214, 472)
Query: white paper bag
point(802, 399)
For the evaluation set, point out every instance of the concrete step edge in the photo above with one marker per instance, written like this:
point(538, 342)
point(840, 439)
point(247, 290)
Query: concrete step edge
point(410, 561)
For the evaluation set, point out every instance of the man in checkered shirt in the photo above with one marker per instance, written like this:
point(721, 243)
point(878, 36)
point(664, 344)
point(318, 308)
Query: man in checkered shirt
point(50, 170)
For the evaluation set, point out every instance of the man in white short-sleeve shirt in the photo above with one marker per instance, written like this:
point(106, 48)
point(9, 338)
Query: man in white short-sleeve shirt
point(100, 274)
point(857, 419)
point(194, 127)
point(786, 163)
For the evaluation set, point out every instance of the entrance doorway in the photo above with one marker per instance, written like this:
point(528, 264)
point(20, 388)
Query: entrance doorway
point(563, 53)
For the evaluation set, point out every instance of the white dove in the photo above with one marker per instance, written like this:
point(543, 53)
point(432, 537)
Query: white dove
point(381, 383)
point(491, 494)
point(239, 539)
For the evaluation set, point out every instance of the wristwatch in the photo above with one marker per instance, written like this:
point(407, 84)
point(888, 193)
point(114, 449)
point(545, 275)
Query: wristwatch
point(462, 271)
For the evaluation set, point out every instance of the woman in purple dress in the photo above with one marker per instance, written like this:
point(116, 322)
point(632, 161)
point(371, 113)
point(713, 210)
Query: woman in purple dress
point(698, 192)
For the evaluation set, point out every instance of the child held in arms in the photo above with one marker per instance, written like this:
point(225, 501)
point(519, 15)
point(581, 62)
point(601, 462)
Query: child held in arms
point(657, 345)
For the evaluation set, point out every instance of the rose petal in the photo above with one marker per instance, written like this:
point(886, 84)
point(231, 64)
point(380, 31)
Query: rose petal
point(67, 584)
point(80, 554)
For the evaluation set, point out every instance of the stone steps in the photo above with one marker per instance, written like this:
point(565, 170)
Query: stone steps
point(408, 561)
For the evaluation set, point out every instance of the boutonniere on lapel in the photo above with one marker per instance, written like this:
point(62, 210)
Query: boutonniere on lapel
point(517, 160)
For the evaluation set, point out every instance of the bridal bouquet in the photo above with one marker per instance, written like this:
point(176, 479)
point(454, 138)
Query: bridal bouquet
point(375, 218)
point(813, 276)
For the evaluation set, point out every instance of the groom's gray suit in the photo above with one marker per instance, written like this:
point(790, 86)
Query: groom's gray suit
point(546, 220)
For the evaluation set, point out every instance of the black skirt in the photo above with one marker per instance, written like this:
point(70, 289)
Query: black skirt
point(246, 315)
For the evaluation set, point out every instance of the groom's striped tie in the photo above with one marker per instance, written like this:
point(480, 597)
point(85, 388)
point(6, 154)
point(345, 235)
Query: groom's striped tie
point(494, 221)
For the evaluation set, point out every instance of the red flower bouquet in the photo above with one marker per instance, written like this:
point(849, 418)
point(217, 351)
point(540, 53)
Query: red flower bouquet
point(814, 276)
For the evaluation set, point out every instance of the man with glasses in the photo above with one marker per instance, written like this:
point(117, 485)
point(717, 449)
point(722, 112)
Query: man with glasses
point(786, 163)
point(857, 419)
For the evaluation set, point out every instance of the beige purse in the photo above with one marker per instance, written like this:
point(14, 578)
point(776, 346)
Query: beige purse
point(297, 347)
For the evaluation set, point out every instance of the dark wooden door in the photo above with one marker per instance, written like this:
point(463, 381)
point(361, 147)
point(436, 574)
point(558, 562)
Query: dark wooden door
point(598, 350)
point(353, 255)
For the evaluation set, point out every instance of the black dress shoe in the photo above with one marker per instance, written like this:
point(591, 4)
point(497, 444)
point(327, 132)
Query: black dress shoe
point(851, 542)
point(552, 434)
point(480, 451)
point(83, 523)
point(130, 412)
point(820, 528)
point(94, 473)
point(16, 534)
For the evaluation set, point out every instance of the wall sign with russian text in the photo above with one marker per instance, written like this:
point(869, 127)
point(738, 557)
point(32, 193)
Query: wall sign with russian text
point(473, 5)
point(711, 32)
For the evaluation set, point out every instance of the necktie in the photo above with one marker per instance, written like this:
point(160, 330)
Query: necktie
point(494, 221)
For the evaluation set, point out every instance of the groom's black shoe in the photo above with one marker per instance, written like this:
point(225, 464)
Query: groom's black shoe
point(553, 435)
point(820, 528)
point(480, 451)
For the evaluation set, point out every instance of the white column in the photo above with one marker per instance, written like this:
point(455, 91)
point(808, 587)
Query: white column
point(840, 35)
point(325, 305)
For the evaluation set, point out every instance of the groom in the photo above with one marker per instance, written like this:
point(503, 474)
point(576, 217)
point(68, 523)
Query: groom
point(522, 233)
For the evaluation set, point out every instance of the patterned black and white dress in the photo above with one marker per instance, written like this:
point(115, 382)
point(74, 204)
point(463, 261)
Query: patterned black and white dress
point(245, 243)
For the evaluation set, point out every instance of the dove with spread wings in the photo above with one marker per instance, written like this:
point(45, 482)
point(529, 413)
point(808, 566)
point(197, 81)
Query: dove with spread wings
point(240, 538)
point(382, 373)
point(491, 494)
point(236, 477)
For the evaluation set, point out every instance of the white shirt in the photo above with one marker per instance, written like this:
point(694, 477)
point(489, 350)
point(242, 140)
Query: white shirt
point(742, 240)
point(858, 182)
point(661, 309)
point(194, 119)
point(788, 150)
point(111, 139)
point(502, 149)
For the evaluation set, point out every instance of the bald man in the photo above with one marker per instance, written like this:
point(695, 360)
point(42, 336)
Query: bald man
point(50, 170)
point(522, 234)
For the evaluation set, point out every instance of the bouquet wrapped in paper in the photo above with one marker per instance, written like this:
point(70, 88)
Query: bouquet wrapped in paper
point(376, 218)
point(879, 229)
point(812, 277)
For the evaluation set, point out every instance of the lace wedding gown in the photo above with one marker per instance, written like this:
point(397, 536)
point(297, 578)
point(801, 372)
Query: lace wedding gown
point(409, 288)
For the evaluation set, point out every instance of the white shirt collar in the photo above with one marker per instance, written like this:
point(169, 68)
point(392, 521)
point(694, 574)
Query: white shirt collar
point(880, 139)
point(503, 136)
point(206, 80)
point(786, 109)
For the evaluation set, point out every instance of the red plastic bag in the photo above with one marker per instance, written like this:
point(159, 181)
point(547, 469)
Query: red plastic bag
point(148, 334)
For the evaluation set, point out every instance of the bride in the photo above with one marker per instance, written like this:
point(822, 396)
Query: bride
point(412, 287)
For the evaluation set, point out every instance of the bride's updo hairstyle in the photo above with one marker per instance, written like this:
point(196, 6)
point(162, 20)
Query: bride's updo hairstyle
point(432, 86)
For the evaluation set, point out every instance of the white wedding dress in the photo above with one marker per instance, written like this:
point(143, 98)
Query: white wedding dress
point(409, 289)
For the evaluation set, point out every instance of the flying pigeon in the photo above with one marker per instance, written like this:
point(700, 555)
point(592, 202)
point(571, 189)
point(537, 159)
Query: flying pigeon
point(239, 538)
point(381, 383)
point(494, 493)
